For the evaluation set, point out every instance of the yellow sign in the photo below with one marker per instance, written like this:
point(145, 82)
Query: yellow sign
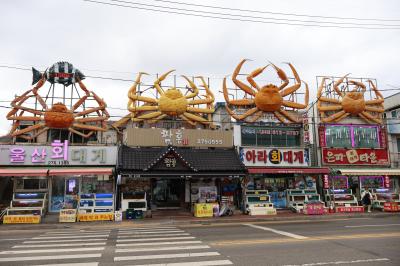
point(203, 210)
point(21, 219)
point(91, 217)
point(67, 216)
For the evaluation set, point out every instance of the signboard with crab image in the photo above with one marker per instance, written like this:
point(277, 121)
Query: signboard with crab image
point(191, 103)
point(62, 105)
point(252, 102)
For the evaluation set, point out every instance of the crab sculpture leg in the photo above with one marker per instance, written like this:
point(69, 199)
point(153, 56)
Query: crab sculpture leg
point(337, 106)
point(17, 106)
point(191, 116)
point(35, 92)
point(323, 109)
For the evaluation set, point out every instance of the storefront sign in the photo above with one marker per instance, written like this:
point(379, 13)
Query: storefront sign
point(306, 129)
point(91, 217)
point(58, 153)
point(274, 157)
point(147, 137)
point(67, 216)
point(21, 219)
point(342, 156)
point(170, 162)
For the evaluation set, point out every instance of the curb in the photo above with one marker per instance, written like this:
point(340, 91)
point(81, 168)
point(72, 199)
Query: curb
point(197, 221)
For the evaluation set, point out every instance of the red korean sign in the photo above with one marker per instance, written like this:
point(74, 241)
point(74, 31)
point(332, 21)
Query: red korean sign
point(341, 156)
point(274, 157)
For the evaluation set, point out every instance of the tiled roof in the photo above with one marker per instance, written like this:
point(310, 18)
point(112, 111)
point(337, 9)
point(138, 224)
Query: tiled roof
point(198, 160)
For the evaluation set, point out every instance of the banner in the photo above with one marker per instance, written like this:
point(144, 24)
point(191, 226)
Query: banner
point(21, 219)
point(91, 217)
point(203, 210)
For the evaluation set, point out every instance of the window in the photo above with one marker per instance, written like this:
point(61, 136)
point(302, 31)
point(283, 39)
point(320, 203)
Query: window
point(31, 184)
point(394, 114)
point(398, 145)
point(271, 136)
point(365, 137)
point(355, 136)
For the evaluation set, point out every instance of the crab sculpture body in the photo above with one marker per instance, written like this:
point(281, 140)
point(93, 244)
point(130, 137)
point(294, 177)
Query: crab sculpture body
point(84, 122)
point(170, 103)
point(264, 99)
point(350, 103)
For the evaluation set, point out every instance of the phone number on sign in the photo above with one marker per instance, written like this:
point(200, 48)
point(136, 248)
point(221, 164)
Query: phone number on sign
point(210, 141)
point(58, 162)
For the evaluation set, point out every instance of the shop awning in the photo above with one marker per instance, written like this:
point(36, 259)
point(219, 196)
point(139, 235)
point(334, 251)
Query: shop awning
point(23, 171)
point(369, 171)
point(267, 170)
point(81, 171)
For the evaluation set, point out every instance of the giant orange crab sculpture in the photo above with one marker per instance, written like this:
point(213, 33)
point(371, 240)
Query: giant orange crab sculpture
point(169, 103)
point(268, 98)
point(58, 116)
point(349, 103)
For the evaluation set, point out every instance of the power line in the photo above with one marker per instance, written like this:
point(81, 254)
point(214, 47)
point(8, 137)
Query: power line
point(254, 17)
point(233, 122)
point(236, 19)
point(275, 13)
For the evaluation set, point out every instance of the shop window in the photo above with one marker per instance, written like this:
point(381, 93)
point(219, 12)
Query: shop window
point(97, 184)
point(347, 136)
point(31, 184)
point(248, 136)
point(365, 137)
point(63, 134)
point(338, 136)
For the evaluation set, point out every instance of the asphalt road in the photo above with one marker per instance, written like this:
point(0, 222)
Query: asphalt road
point(350, 241)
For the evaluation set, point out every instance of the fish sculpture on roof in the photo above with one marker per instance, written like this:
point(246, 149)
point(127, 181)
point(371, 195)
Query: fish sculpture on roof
point(60, 72)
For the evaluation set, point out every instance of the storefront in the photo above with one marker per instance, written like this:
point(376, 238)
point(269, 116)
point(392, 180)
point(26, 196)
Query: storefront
point(358, 158)
point(60, 175)
point(277, 161)
point(179, 167)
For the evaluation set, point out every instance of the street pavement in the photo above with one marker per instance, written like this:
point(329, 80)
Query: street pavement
point(368, 241)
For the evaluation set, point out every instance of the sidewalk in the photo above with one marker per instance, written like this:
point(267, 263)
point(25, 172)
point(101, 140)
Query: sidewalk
point(50, 221)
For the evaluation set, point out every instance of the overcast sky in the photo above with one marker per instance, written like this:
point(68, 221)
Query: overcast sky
point(118, 42)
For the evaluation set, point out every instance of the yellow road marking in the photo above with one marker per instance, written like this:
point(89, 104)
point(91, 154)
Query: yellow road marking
point(286, 240)
point(211, 224)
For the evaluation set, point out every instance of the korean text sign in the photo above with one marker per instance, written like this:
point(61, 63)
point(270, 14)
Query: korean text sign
point(343, 156)
point(58, 153)
point(274, 156)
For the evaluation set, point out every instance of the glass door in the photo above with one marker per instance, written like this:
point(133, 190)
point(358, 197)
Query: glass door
point(71, 193)
point(167, 193)
point(57, 193)
point(277, 189)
